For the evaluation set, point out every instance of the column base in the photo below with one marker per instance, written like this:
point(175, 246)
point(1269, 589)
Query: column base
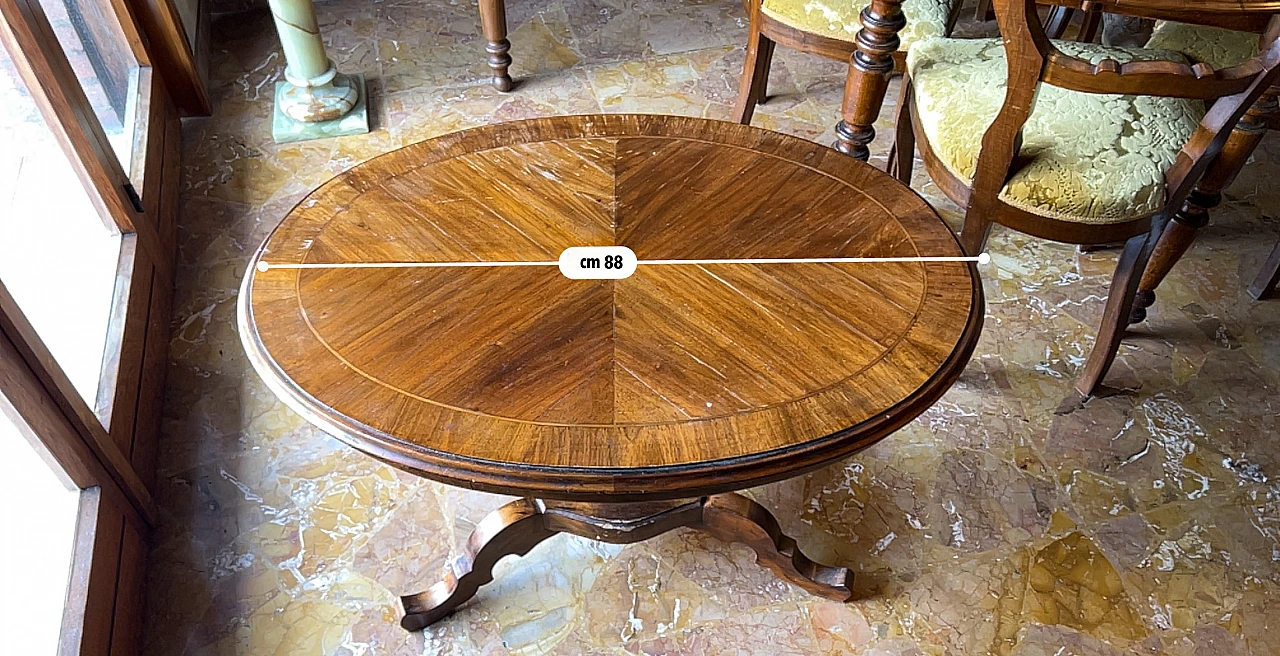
point(285, 129)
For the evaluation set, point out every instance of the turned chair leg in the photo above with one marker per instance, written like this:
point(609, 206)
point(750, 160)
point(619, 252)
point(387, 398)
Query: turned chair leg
point(493, 21)
point(755, 72)
point(1264, 286)
point(903, 151)
point(869, 70)
point(1124, 286)
point(1178, 235)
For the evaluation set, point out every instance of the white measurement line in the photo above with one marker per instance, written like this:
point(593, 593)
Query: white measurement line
point(980, 259)
point(267, 266)
point(264, 266)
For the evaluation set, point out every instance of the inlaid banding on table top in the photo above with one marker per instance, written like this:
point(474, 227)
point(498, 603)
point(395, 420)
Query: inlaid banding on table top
point(594, 373)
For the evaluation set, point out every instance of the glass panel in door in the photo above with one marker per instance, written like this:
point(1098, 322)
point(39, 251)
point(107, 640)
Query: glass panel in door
point(58, 256)
point(94, 43)
point(41, 508)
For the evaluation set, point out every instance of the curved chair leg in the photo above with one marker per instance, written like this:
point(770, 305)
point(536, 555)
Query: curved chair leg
point(902, 153)
point(512, 529)
point(755, 72)
point(1264, 286)
point(1124, 286)
point(735, 518)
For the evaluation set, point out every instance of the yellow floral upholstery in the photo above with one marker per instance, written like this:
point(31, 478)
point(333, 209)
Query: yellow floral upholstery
point(1214, 46)
point(839, 20)
point(1089, 158)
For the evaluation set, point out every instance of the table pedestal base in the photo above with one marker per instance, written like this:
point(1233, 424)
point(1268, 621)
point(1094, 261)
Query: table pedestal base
point(520, 525)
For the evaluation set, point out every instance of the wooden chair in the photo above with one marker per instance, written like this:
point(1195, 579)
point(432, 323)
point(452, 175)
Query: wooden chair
point(826, 28)
point(1073, 142)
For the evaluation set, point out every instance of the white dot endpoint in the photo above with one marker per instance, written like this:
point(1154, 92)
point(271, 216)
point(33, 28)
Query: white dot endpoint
point(263, 266)
point(984, 258)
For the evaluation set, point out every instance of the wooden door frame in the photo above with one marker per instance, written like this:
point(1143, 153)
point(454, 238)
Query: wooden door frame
point(181, 65)
point(107, 449)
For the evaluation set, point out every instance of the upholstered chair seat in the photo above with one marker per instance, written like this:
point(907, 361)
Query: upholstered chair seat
point(1215, 46)
point(839, 20)
point(1086, 158)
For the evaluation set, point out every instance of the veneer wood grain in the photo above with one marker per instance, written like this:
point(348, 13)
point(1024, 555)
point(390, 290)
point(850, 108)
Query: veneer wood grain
point(677, 382)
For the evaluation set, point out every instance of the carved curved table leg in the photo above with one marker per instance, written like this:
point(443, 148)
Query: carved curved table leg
point(520, 525)
point(493, 21)
point(735, 518)
point(869, 71)
point(512, 529)
point(1181, 230)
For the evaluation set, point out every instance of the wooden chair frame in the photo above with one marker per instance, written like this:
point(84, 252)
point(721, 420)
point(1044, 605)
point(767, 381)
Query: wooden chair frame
point(766, 32)
point(1034, 60)
point(1060, 18)
point(1264, 286)
point(1184, 224)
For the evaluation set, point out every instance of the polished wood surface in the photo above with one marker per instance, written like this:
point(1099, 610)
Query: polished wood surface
point(677, 382)
point(1231, 14)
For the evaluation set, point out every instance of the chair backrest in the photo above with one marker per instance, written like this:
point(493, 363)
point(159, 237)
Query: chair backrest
point(1033, 59)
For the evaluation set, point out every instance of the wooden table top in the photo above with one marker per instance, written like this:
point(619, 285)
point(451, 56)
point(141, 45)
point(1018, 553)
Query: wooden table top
point(1232, 14)
point(1217, 6)
point(676, 382)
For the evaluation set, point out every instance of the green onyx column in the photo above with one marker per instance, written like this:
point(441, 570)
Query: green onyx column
point(314, 101)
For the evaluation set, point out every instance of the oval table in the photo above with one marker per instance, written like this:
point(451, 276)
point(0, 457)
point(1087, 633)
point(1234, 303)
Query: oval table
point(617, 409)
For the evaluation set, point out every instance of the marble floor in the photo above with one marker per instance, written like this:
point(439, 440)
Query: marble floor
point(1147, 522)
